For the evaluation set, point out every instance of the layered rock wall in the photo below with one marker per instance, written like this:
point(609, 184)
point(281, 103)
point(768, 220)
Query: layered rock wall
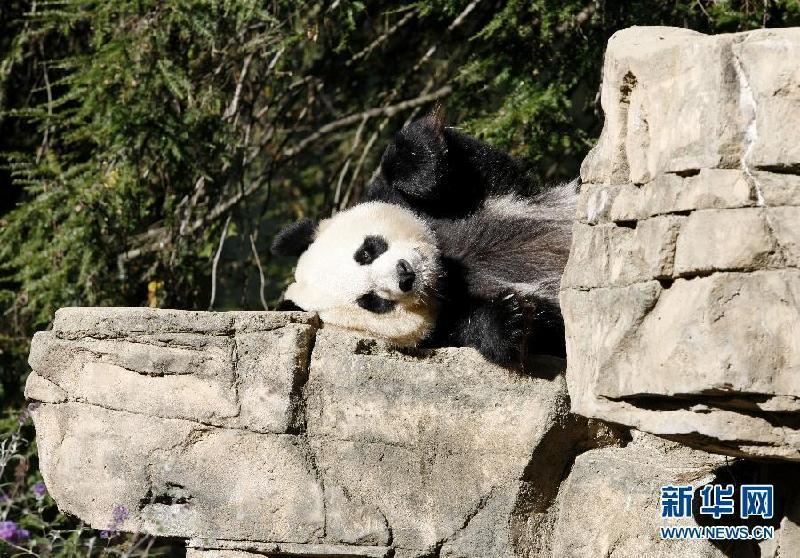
point(261, 434)
point(682, 292)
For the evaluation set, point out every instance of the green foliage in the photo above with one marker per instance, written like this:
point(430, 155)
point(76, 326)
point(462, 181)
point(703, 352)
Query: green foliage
point(135, 132)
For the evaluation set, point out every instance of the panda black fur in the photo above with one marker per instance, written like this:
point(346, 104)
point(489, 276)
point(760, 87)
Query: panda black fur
point(454, 245)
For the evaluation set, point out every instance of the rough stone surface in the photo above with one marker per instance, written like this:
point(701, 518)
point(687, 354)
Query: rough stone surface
point(608, 505)
point(385, 453)
point(226, 427)
point(605, 254)
point(671, 193)
point(682, 293)
point(208, 368)
point(440, 445)
point(677, 101)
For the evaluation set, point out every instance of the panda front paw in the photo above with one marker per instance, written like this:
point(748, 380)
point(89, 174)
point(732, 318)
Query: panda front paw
point(497, 329)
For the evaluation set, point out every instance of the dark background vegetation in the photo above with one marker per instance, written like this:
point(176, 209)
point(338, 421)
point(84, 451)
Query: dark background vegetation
point(139, 136)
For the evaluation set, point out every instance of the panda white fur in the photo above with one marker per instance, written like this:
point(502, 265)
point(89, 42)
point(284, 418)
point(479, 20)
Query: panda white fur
point(373, 252)
point(455, 246)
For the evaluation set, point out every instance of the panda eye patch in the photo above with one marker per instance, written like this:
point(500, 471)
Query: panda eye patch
point(370, 249)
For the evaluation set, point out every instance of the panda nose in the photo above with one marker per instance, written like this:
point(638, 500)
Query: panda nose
point(406, 275)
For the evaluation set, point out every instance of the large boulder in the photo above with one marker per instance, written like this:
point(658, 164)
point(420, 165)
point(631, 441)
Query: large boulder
point(609, 503)
point(253, 434)
point(682, 292)
point(226, 426)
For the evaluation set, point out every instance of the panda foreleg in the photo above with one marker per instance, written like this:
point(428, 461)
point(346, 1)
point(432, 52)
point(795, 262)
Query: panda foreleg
point(495, 328)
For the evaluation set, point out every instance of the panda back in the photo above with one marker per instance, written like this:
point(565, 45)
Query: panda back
point(511, 242)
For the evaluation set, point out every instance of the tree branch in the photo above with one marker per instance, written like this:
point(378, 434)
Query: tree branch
point(381, 39)
point(157, 237)
point(262, 279)
point(233, 108)
point(390, 110)
point(215, 263)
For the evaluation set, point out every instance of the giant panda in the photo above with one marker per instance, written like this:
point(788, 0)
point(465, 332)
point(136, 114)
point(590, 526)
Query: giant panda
point(453, 246)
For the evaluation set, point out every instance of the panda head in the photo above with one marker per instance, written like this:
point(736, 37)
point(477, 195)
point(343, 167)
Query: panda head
point(372, 268)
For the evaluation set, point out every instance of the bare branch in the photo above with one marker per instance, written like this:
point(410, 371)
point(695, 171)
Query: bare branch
point(274, 61)
point(216, 261)
point(381, 39)
point(313, 91)
point(462, 16)
point(453, 25)
point(337, 195)
point(390, 110)
point(233, 108)
point(199, 188)
point(262, 279)
point(360, 165)
point(46, 138)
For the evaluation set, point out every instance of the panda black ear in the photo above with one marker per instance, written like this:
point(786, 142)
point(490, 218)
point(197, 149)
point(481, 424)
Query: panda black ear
point(435, 121)
point(416, 162)
point(293, 239)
